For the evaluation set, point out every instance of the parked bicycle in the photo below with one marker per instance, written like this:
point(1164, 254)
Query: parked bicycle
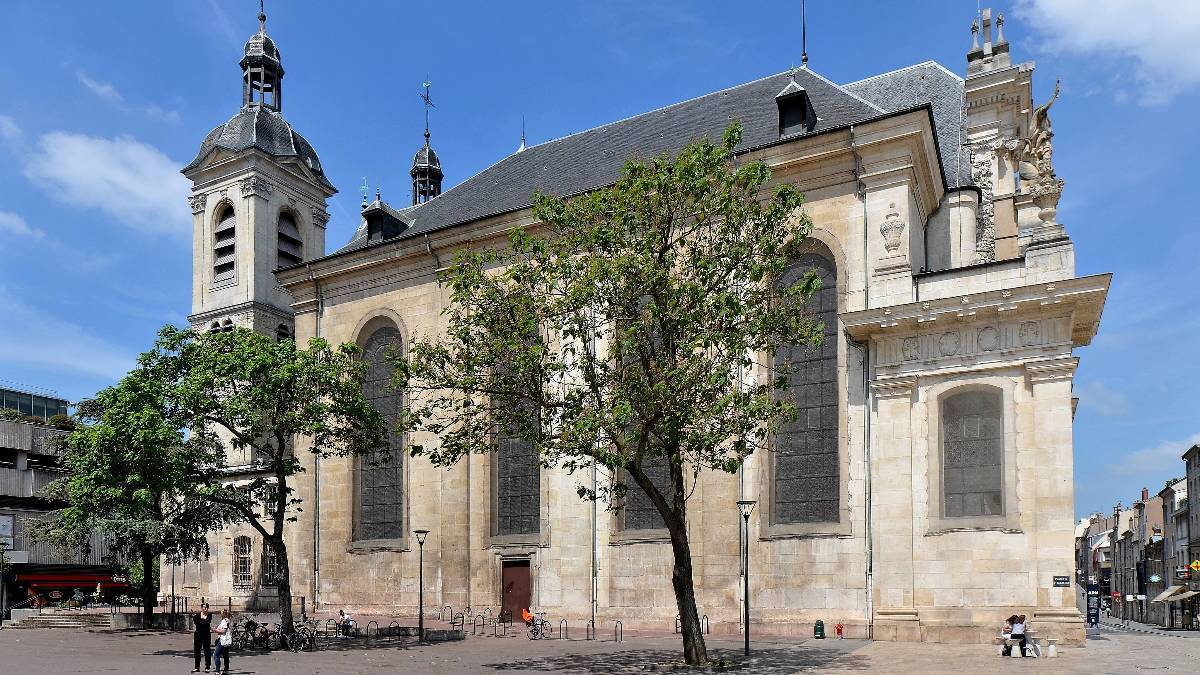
point(538, 627)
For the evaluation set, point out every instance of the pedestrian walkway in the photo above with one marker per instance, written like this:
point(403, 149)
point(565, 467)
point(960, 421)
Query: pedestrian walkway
point(1149, 629)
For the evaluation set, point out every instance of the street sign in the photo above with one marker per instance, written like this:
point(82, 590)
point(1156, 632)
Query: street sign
point(1093, 604)
point(119, 579)
point(1117, 594)
point(1062, 582)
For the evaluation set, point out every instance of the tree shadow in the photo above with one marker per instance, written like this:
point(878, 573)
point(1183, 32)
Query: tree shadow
point(765, 661)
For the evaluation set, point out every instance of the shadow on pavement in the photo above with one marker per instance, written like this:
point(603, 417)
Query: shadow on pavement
point(769, 661)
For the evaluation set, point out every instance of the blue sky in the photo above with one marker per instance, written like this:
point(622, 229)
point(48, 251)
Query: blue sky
point(103, 102)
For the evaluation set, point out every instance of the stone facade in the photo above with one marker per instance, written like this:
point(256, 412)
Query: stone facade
point(998, 316)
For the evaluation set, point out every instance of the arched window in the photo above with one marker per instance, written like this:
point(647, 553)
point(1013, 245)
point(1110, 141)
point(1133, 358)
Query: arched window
point(290, 245)
point(381, 478)
point(282, 332)
point(973, 454)
point(270, 566)
point(242, 551)
point(806, 474)
point(224, 245)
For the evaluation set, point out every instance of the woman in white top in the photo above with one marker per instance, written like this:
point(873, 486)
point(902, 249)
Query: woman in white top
point(1018, 632)
point(224, 639)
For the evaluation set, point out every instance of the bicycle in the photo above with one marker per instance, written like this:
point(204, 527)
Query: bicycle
point(304, 638)
point(539, 628)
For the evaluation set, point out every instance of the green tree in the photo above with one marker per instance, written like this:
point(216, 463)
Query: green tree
point(240, 390)
point(135, 477)
point(626, 329)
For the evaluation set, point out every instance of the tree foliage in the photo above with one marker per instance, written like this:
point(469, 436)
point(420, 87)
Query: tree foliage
point(243, 392)
point(635, 325)
point(134, 476)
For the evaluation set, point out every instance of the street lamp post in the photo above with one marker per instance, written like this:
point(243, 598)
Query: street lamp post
point(421, 534)
point(1115, 569)
point(746, 506)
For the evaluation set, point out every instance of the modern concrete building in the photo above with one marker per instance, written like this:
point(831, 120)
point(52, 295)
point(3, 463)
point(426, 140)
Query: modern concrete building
point(926, 492)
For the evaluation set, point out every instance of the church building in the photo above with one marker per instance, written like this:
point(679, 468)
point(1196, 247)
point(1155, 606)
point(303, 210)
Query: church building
point(924, 492)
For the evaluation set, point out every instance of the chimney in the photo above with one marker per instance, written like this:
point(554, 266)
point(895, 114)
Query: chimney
point(1145, 495)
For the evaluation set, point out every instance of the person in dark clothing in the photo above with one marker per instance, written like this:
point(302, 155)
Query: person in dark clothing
point(202, 625)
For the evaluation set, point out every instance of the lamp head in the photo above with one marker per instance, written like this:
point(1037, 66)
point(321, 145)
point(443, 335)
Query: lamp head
point(746, 507)
point(421, 534)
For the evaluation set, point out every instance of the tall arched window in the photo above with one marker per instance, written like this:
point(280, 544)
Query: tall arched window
point(973, 454)
point(518, 486)
point(806, 475)
point(224, 245)
point(638, 512)
point(290, 245)
point(242, 561)
point(380, 512)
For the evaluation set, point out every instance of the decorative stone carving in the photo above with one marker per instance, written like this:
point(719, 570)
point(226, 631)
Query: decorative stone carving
point(949, 343)
point(197, 202)
point(912, 349)
point(319, 217)
point(254, 186)
point(982, 173)
point(1036, 167)
point(1029, 333)
point(989, 338)
point(891, 229)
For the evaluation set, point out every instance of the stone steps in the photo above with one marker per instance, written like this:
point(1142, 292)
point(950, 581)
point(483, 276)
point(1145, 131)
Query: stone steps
point(57, 620)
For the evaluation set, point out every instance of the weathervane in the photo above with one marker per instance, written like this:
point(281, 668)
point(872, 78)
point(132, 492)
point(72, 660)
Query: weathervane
point(365, 191)
point(428, 104)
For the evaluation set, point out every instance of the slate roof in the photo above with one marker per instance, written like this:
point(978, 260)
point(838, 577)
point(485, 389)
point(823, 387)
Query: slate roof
point(262, 128)
point(594, 158)
point(924, 83)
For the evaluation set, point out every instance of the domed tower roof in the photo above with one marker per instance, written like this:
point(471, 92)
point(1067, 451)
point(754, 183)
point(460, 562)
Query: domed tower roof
point(266, 130)
point(426, 170)
point(426, 160)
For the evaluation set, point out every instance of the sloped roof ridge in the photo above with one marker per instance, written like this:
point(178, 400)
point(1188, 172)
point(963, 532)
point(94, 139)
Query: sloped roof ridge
point(914, 66)
point(842, 87)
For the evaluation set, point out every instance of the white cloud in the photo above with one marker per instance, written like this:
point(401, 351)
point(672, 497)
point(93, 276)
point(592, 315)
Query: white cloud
point(1153, 465)
point(10, 133)
point(33, 338)
point(133, 182)
point(1149, 39)
point(1097, 397)
point(13, 224)
point(108, 92)
point(103, 90)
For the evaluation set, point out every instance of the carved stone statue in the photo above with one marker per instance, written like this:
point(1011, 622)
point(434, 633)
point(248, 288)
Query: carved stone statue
point(1038, 153)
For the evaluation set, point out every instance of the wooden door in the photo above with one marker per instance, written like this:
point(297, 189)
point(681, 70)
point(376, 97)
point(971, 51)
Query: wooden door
point(516, 586)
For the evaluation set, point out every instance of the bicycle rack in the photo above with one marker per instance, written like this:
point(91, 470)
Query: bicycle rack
point(353, 630)
point(591, 630)
point(705, 625)
point(369, 629)
point(458, 620)
point(678, 624)
point(480, 623)
point(328, 623)
point(618, 631)
point(442, 614)
point(562, 629)
point(394, 629)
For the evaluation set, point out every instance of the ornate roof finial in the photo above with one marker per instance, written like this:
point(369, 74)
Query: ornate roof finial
point(521, 148)
point(428, 104)
point(975, 35)
point(999, 28)
point(365, 191)
point(262, 17)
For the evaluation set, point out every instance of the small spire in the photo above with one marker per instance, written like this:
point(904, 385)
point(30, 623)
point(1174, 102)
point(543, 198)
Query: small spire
point(803, 35)
point(428, 104)
point(365, 191)
point(521, 148)
point(1000, 29)
point(378, 195)
point(262, 17)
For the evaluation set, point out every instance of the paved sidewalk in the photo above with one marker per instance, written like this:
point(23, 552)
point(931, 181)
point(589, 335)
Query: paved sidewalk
point(1149, 629)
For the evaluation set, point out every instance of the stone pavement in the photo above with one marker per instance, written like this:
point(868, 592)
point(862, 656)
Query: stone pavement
point(37, 652)
point(1149, 629)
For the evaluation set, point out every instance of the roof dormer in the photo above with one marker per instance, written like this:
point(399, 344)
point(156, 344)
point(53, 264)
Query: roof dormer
point(796, 114)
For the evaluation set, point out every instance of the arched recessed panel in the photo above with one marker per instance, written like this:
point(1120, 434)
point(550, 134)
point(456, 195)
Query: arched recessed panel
point(973, 454)
point(806, 473)
point(380, 489)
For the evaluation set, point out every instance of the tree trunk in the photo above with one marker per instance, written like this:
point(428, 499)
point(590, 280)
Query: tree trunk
point(149, 592)
point(284, 588)
point(694, 650)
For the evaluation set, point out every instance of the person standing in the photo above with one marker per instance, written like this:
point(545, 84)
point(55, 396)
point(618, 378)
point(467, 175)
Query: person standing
point(201, 639)
point(224, 640)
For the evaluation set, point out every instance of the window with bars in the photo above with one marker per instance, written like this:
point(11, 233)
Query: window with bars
point(973, 454)
point(518, 486)
point(270, 565)
point(381, 478)
point(242, 562)
point(290, 249)
point(806, 472)
point(224, 245)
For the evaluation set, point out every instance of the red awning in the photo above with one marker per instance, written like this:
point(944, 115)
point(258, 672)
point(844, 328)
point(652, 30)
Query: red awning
point(71, 579)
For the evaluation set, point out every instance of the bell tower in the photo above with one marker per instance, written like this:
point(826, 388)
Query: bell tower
point(426, 170)
point(258, 203)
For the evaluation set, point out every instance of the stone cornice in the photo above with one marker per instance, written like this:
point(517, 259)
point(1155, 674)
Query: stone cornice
point(1080, 298)
point(893, 387)
point(1051, 370)
point(240, 308)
